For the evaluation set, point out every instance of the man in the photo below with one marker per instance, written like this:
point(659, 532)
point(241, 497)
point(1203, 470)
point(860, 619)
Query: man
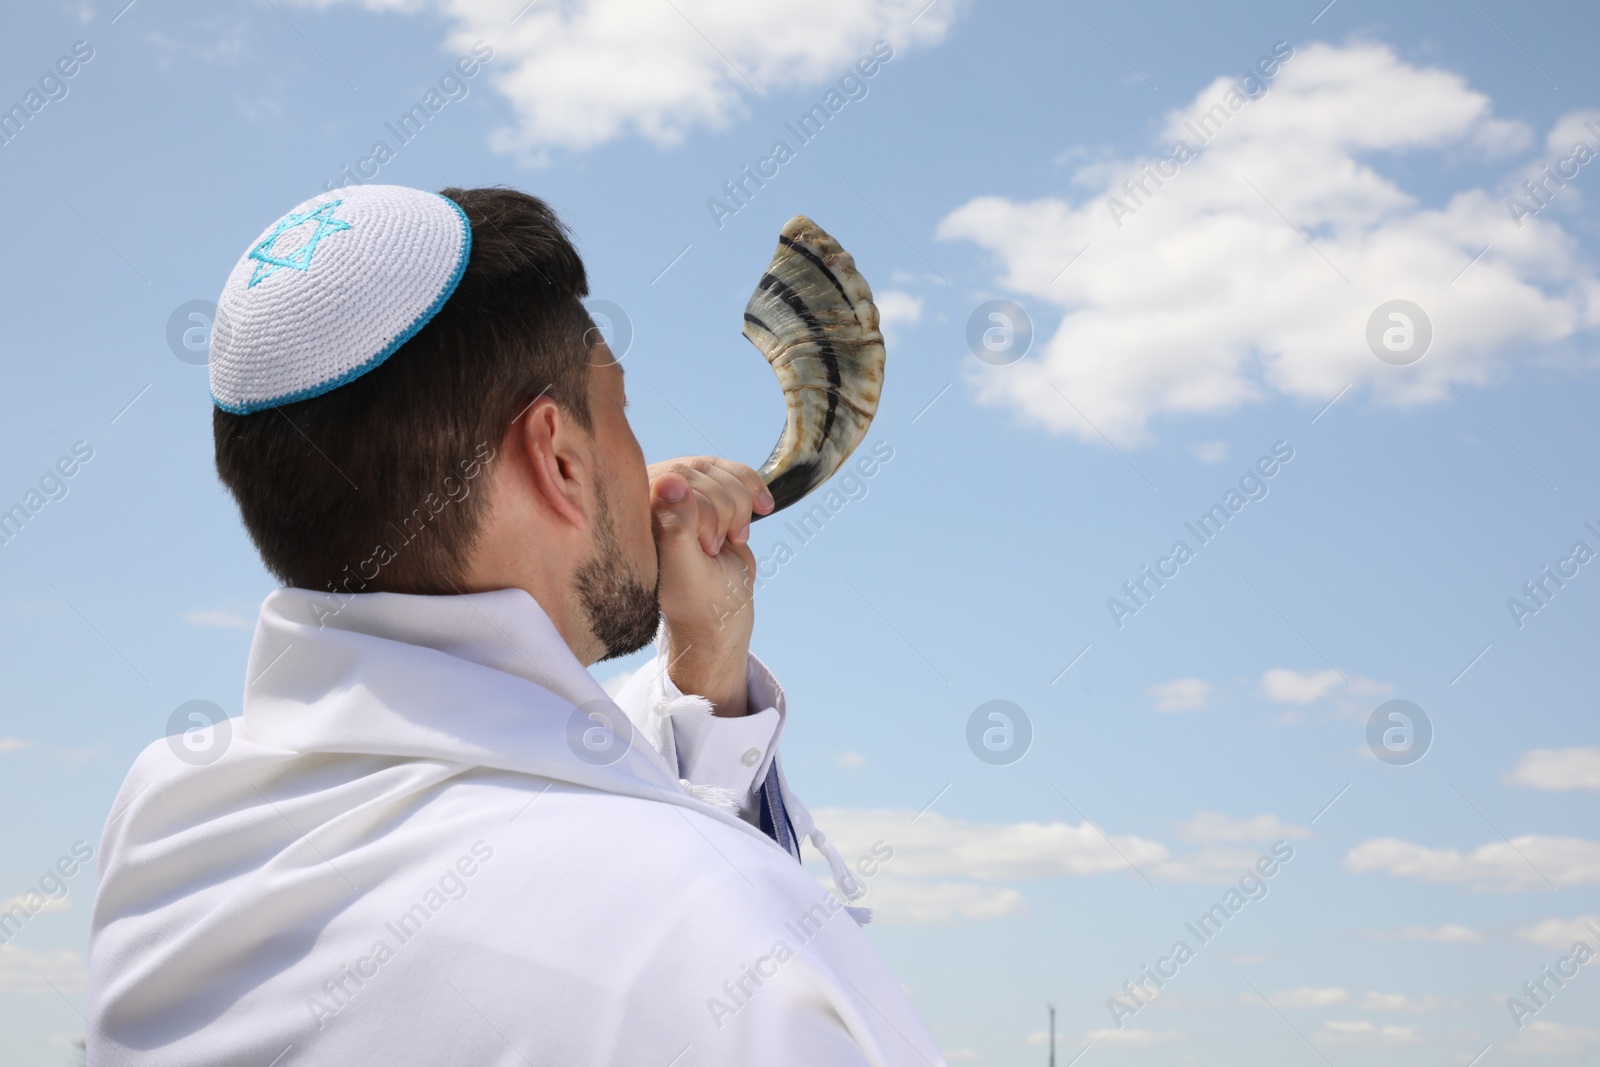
point(431, 837)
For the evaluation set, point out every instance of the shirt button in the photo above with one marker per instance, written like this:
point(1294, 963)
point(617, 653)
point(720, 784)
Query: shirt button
point(751, 757)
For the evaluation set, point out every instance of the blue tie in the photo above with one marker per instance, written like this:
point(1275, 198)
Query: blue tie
point(774, 818)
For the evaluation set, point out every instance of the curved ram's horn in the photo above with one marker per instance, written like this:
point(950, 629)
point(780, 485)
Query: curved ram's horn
point(813, 317)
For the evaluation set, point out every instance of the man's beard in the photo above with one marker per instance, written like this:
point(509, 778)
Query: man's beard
point(623, 611)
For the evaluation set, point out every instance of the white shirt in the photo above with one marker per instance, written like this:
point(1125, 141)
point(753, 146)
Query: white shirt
point(732, 753)
point(407, 850)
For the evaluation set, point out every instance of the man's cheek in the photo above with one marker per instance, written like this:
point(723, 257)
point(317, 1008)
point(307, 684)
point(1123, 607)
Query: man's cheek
point(648, 557)
point(640, 536)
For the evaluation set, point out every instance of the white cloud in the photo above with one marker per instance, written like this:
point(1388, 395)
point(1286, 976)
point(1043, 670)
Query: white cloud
point(1560, 934)
point(579, 74)
point(1208, 865)
point(896, 308)
point(50, 904)
point(1294, 687)
point(849, 761)
point(944, 870)
point(1558, 768)
point(1264, 829)
point(1210, 451)
point(913, 902)
point(1569, 130)
point(1207, 299)
point(947, 870)
point(1132, 1038)
point(1363, 1034)
point(1301, 997)
point(1375, 1001)
point(1521, 864)
point(1181, 694)
point(1449, 934)
point(1313, 997)
point(14, 744)
point(1552, 1039)
point(936, 846)
point(224, 620)
point(1176, 1002)
point(23, 970)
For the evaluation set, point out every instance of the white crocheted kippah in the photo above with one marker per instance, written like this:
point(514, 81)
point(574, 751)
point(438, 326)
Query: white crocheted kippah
point(331, 290)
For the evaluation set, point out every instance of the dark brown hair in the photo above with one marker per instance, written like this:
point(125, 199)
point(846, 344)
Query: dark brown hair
point(378, 485)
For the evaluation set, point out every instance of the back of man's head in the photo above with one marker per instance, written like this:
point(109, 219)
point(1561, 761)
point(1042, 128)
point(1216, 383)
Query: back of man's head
point(377, 485)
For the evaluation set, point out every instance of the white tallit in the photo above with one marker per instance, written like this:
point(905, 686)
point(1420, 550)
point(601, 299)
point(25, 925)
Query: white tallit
point(398, 859)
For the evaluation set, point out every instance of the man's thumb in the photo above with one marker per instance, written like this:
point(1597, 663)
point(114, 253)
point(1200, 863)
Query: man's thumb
point(673, 508)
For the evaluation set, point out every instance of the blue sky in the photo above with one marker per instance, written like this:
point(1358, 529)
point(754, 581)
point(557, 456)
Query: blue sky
point(1173, 346)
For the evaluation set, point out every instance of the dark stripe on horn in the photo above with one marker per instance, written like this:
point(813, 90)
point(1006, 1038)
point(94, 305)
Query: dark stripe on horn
point(791, 485)
point(816, 261)
point(830, 357)
point(752, 320)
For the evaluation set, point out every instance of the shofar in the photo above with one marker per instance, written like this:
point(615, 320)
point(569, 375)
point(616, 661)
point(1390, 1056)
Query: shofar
point(813, 317)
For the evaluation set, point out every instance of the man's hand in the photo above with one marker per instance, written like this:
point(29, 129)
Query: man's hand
point(700, 510)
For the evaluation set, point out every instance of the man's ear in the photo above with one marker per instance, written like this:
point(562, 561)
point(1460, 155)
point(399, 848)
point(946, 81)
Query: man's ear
point(560, 459)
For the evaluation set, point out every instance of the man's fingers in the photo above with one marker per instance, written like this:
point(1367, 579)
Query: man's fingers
point(679, 503)
point(713, 518)
point(736, 493)
point(726, 495)
point(675, 508)
point(724, 506)
point(746, 491)
point(761, 498)
point(712, 510)
point(670, 488)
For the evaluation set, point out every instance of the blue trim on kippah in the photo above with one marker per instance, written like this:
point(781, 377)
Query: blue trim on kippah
point(252, 406)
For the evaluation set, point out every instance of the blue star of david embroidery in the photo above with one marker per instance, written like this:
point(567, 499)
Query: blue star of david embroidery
point(268, 264)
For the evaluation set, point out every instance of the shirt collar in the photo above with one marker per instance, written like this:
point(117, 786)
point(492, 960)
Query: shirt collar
point(505, 630)
point(482, 680)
